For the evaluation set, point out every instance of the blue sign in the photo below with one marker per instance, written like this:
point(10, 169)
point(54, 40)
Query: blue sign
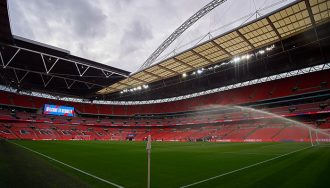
point(58, 110)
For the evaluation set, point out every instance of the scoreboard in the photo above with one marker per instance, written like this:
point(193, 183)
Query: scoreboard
point(58, 110)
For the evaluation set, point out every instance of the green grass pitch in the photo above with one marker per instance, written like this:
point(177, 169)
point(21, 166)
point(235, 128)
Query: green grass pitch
point(172, 164)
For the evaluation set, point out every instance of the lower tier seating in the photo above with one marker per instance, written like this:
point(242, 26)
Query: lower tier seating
point(247, 132)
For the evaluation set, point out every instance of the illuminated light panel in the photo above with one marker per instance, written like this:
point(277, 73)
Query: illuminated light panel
point(320, 10)
point(288, 21)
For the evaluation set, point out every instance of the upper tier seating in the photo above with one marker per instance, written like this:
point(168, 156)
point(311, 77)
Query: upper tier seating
point(279, 88)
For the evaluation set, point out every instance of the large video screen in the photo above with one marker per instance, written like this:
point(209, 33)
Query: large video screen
point(58, 110)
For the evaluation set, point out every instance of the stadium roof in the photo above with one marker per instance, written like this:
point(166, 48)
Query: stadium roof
point(276, 26)
point(30, 65)
point(5, 32)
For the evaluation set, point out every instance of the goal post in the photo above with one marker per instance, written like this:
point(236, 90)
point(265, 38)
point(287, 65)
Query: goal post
point(320, 137)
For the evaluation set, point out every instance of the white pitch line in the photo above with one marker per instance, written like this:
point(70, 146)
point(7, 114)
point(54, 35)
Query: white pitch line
point(81, 171)
point(240, 169)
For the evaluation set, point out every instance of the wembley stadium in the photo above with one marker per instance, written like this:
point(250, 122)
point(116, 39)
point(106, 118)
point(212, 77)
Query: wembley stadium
point(248, 107)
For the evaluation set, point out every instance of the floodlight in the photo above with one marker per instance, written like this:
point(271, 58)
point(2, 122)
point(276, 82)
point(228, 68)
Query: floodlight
point(261, 51)
point(270, 47)
point(249, 56)
point(237, 59)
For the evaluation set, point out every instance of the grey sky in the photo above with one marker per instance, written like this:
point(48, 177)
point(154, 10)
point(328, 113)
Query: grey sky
point(122, 33)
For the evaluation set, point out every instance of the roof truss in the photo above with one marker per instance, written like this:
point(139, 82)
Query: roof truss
point(287, 21)
point(107, 72)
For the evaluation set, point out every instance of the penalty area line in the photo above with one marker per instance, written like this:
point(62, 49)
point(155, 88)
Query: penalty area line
point(243, 168)
point(74, 168)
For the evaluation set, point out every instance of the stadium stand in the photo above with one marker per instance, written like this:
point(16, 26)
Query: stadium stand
point(270, 90)
point(217, 124)
point(211, 116)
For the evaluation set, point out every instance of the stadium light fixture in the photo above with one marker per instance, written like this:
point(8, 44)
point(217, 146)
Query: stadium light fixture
point(237, 59)
point(145, 86)
point(134, 89)
point(201, 70)
point(247, 56)
point(270, 47)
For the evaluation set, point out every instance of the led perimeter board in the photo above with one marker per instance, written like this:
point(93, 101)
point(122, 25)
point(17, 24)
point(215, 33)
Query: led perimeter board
point(58, 110)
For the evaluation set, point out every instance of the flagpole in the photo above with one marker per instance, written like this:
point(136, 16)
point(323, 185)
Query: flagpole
point(148, 153)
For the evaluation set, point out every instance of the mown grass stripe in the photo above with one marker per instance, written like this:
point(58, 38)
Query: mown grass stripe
point(74, 168)
point(243, 168)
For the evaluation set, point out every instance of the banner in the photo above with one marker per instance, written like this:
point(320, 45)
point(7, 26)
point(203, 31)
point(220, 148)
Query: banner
point(58, 110)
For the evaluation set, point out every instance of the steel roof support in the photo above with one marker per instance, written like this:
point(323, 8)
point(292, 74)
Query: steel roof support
point(54, 63)
point(84, 71)
point(1, 58)
point(107, 73)
point(69, 85)
point(152, 74)
point(275, 30)
point(6, 64)
point(43, 80)
point(21, 79)
point(183, 63)
point(89, 86)
point(67, 60)
point(167, 69)
point(246, 40)
point(309, 9)
point(55, 76)
point(182, 28)
point(221, 48)
point(139, 80)
point(273, 27)
point(123, 84)
point(199, 55)
point(233, 86)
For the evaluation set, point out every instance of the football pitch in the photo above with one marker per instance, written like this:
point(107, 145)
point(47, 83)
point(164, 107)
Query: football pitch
point(173, 164)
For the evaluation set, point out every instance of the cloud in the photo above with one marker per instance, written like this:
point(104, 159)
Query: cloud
point(134, 37)
point(119, 33)
point(19, 25)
